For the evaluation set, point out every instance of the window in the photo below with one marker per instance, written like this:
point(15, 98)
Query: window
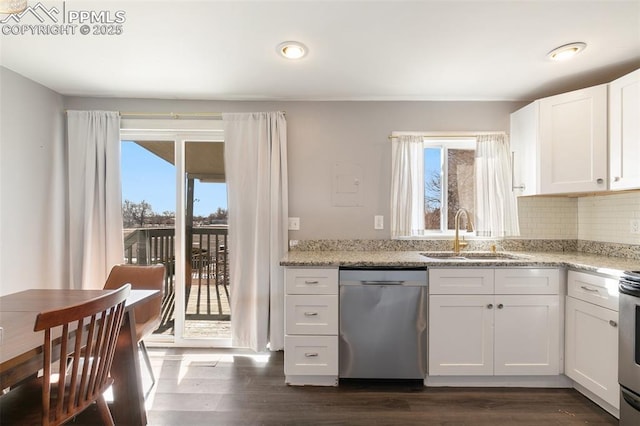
point(433, 177)
point(448, 164)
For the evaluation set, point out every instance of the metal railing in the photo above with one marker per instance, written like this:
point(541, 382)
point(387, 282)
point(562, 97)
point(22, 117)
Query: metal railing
point(206, 277)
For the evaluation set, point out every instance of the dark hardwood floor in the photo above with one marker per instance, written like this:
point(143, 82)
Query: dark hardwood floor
point(225, 387)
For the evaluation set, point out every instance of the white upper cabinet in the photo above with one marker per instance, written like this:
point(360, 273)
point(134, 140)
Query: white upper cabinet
point(624, 132)
point(524, 150)
point(559, 143)
point(573, 141)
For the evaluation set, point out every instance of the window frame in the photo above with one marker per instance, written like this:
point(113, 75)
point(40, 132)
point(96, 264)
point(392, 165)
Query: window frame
point(445, 144)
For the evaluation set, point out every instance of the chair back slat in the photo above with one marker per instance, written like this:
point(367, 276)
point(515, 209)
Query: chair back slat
point(88, 342)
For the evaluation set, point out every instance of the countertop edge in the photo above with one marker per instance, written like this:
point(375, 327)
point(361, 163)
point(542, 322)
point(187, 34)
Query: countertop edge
point(605, 265)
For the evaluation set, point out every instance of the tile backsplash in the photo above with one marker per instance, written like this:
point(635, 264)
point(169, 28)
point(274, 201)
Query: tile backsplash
point(609, 218)
point(602, 218)
point(548, 217)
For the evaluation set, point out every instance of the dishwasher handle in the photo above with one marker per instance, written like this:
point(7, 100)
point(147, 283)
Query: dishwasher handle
point(381, 282)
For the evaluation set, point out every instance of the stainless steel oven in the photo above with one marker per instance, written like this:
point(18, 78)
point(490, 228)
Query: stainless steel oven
point(629, 348)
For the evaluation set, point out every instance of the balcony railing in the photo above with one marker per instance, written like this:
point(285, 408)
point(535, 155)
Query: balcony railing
point(207, 272)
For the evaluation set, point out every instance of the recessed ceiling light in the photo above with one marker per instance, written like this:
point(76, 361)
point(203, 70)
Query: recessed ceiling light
point(292, 49)
point(567, 51)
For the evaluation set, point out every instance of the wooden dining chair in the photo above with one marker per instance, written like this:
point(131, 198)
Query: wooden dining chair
point(147, 315)
point(86, 334)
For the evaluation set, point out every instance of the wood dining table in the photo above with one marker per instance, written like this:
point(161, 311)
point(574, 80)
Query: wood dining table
point(21, 348)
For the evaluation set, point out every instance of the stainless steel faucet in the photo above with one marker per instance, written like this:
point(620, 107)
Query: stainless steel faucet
point(457, 244)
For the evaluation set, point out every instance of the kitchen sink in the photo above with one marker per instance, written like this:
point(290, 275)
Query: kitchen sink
point(472, 255)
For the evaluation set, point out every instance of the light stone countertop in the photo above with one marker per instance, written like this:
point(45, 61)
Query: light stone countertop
point(607, 265)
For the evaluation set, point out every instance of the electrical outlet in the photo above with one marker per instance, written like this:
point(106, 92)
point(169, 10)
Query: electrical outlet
point(294, 224)
point(635, 226)
point(378, 222)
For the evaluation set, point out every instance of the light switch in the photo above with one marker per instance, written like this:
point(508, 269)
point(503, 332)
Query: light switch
point(378, 222)
point(294, 224)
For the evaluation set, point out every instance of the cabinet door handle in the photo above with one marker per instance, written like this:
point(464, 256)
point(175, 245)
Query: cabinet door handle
point(612, 323)
point(310, 314)
point(520, 187)
point(311, 282)
point(311, 354)
point(500, 306)
point(616, 179)
point(490, 306)
point(599, 181)
point(592, 290)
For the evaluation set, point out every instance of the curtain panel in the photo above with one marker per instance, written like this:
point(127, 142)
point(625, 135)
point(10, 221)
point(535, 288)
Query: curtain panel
point(407, 186)
point(496, 205)
point(255, 158)
point(95, 196)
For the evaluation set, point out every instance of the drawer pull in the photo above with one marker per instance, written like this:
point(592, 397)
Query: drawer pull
point(592, 290)
point(612, 323)
point(490, 306)
point(311, 354)
point(310, 314)
point(500, 306)
point(311, 282)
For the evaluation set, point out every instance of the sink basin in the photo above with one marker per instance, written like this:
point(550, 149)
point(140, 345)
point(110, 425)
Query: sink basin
point(471, 255)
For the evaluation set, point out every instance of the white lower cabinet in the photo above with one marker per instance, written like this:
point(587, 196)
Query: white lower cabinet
point(460, 335)
point(591, 336)
point(311, 326)
point(496, 334)
point(527, 335)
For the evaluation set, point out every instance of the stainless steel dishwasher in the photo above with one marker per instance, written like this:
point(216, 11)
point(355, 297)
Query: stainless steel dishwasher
point(383, 324)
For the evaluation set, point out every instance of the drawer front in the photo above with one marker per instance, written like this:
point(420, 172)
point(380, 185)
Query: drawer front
point(460, 281)
point(527, 281)
point(311, 280)
point(311, 355)
point(311, 314)
point(596, 289)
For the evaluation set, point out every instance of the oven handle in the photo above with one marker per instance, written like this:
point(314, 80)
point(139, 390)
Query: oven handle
point(629, 289)
point(631, 399)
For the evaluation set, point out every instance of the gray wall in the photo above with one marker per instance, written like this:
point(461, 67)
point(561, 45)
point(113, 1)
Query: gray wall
point(32, 187)
point(323, 133)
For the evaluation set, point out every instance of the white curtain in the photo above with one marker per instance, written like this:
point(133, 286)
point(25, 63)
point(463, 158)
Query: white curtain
point(407, 186)
point(95, 196)
point(496, 207)
point(256, 170)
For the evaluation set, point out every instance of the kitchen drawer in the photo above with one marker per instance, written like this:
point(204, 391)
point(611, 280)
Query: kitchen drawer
point(596, 289)
point(527, 281)
point(311, 314)
point(311, 280)
point(460, 281)
point(311, 355)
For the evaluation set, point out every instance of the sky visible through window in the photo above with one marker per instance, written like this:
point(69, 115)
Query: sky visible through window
point(432, 165)
point(148, 177)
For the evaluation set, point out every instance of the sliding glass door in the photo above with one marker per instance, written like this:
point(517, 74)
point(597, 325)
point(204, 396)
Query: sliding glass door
point(175, 212)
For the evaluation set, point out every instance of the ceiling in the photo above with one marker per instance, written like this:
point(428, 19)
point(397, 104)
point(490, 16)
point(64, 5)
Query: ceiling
point(204, 161)
point(358, 50)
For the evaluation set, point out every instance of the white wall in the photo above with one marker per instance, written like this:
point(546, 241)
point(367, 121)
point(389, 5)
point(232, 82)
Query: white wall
point(323, 133)
point(32, 196)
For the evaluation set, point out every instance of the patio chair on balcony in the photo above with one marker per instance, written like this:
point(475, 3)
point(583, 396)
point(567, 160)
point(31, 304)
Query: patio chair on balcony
point(142, 277)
